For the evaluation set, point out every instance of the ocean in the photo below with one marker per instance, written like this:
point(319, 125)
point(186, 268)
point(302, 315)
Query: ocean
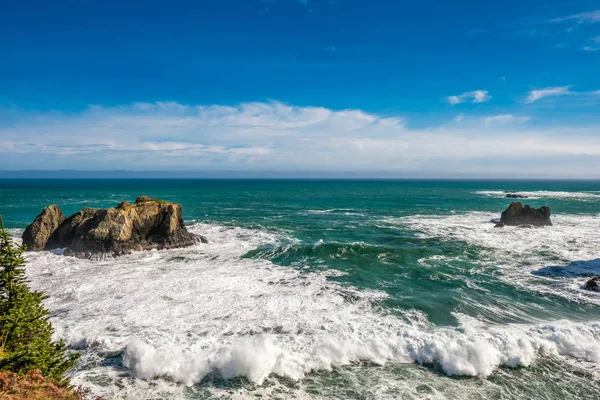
point(330, 289)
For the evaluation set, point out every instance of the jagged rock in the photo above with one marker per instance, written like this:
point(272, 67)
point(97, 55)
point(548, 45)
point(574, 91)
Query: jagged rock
point(518, 214)
point(64, 235)
point(516, 196)
point(593, 284)
point(36, 235)
point(499, 225)
point(146, 224)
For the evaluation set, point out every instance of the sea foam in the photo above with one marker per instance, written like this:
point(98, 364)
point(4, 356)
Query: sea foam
point(183, 315)
point(520, 253)
point(539, 194)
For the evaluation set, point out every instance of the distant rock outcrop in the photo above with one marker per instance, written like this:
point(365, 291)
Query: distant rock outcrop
point(515, 196)
point(518, 214)
point(36, 235)
point(146, 224)
point(593, 284)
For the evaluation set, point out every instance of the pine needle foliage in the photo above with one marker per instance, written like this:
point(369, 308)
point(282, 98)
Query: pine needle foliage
point(25, 332)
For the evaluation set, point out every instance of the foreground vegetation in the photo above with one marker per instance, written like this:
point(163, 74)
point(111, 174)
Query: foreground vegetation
point(32, 365)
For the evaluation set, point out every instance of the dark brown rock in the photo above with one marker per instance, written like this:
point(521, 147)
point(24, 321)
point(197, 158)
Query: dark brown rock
point(518, 214)
point(146, 224)
point(65, 233)
point(499, 225)
point(36, 235)
point(593, 284)
point(515, 196)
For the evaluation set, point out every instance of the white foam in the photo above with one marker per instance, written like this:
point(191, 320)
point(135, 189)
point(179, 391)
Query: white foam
point(542, 194)
point(179, 315)
point(572, 241)
point(341, 211)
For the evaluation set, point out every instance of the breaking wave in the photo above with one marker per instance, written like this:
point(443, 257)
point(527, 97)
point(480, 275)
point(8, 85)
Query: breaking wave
point(185, 315)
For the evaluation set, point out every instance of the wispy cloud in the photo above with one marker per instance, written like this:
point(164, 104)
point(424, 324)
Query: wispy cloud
point(278, 137)
point(539, 94)
point(591, 17)
point(590, 48)
point(555, 91)
point(505, 118)
point(476, 96)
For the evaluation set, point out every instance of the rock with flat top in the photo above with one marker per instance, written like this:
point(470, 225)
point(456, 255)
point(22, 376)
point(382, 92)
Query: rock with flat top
point(518, 214)
point(144, 225)
point(36, 235)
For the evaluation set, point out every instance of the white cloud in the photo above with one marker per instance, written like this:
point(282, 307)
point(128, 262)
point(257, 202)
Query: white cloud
point(277, 137)
point(476, 96)
point(536, 95)
point(590, 48)
point(555, 91)
point(505, 118)
point(591, 17)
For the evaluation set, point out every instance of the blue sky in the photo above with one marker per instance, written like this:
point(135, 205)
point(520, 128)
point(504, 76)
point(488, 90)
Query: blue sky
point(462, 88)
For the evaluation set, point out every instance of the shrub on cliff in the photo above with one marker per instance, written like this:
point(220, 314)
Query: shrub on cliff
point(25, 332)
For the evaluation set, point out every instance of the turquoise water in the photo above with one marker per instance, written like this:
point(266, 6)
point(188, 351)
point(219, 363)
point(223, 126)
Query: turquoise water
point(320, 289)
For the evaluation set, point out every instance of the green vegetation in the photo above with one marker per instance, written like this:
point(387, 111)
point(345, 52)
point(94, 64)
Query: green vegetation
point(25, 332)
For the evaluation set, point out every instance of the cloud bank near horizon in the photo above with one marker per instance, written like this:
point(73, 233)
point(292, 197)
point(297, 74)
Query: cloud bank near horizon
point(280, 137)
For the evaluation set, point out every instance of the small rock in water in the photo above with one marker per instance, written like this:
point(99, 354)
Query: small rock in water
point(518, 214)
point(499, 225)
point(515, 196)
point(593, 284)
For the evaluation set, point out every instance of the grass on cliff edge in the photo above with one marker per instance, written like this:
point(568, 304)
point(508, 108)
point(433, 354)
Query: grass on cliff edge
point(33, 386)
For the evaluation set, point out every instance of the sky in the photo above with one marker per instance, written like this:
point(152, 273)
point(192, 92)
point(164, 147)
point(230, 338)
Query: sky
point(382, 88)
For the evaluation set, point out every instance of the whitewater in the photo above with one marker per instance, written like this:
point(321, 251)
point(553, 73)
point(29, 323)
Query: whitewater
point(344, 299)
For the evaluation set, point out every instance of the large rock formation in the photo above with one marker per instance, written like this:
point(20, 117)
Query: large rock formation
point(518, 214)
point(36, 235)
point(146, 224)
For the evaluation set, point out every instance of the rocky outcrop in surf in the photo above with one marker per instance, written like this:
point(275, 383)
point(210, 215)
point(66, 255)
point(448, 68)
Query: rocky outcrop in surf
point(593, 284)
point(519, 214)
point(144, 225)
point(515, 196)
point(36, 235)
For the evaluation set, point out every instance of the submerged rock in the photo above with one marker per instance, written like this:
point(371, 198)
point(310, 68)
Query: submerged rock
point(499, 225)
point(593, 284)
point(146, 224)
point(519, 214)
point(36, 235)
point(515, 196)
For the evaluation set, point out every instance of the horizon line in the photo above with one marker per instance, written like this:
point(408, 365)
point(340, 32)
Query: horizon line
point(273, 175)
